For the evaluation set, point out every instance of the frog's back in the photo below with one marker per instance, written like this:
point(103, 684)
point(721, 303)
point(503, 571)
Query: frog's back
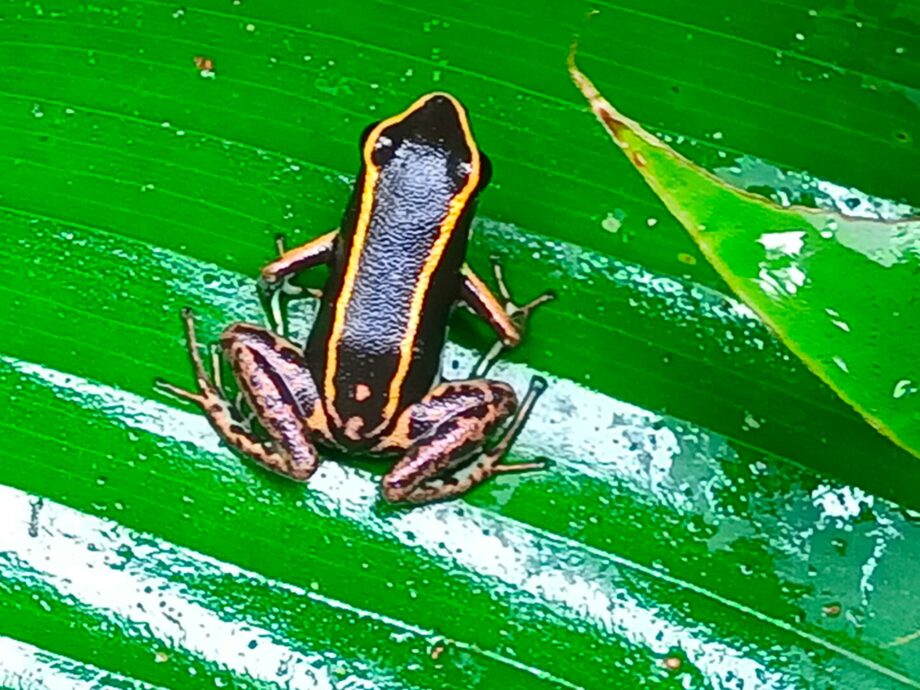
point(396, 271)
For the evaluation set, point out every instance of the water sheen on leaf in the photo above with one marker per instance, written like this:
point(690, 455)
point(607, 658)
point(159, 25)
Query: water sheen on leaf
point(693, 530)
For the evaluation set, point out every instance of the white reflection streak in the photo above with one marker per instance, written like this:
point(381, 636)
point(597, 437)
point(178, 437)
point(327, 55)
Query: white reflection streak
point(26, 667)
point(64, 557)
point(488, 545)
point(472, 538)
point(588, 432)
point(139, 599)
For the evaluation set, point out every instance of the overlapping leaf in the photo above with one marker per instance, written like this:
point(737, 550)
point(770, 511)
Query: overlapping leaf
point(840, 291)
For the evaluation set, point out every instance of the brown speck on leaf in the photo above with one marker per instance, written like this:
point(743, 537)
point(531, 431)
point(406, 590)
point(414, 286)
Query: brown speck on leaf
point(688, 259)
point(639, 160)
point(205, 64)
point(161, 657)
point(673, 663)
point(437, 651)
point(612, 123)
point(831, 610)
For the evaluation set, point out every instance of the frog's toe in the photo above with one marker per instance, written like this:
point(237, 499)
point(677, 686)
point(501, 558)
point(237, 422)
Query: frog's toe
point(168, 388)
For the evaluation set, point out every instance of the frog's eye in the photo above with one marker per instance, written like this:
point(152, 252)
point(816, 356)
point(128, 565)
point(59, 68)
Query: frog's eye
point(383, 149)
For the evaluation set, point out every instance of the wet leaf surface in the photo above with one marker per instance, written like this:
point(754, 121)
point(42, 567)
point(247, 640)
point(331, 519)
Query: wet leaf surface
point(839, 290)
point(714, 516)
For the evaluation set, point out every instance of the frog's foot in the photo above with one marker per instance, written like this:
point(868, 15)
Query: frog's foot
point(226, 419)
point(168, 388)
point(208, 391)
point(519, 313)
point(491, 458)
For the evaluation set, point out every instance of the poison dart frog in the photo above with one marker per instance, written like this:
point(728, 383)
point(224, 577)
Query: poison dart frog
point(366, 380)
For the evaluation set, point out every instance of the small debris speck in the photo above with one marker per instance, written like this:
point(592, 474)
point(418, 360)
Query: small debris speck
point(831, 610)
point(205, 66)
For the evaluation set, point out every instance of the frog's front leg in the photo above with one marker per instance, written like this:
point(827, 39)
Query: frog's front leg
point(444, 436)
point(289, 262)
point(278, 389)
point(275, 277)
point(507, 320)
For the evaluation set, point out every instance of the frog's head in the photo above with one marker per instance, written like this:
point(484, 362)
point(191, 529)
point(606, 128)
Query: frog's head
point(431, 134)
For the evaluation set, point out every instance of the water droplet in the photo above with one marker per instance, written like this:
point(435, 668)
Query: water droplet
point(903, 388)
point(611, 223)
point(841, 363)
point(750, 422)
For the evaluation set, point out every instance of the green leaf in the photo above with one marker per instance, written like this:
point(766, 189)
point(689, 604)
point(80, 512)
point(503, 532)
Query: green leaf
point(838, 290)
point(714, 516)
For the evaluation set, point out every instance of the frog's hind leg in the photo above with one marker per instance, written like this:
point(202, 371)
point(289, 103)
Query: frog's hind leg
point(445, 436)
point(297, 462)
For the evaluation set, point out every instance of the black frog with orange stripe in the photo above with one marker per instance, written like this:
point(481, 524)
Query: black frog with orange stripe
point(365, 380)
